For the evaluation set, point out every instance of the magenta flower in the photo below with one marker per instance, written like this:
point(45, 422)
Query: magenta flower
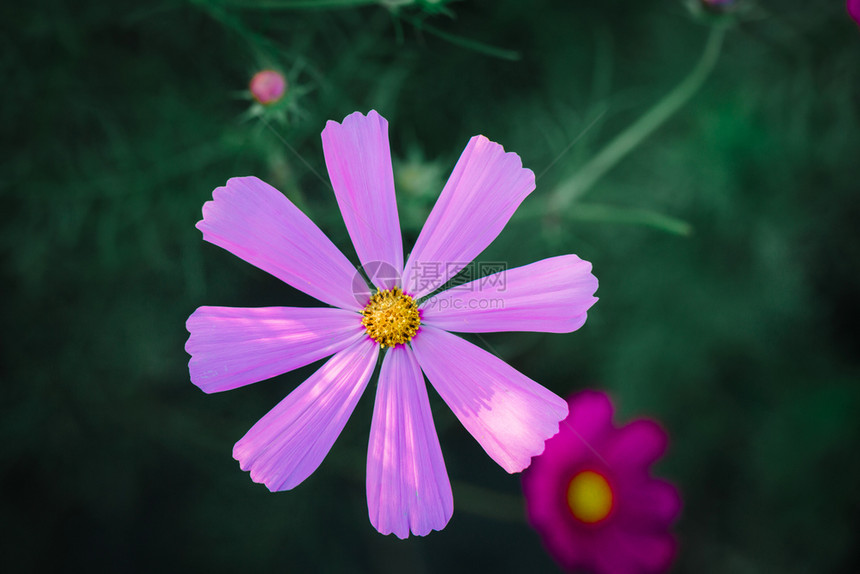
point(854, 10)
point(591, 497)
point(268, 86)
point(509, 414)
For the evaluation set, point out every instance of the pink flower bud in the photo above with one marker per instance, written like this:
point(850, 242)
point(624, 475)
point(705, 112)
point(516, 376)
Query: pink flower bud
point(268, 86)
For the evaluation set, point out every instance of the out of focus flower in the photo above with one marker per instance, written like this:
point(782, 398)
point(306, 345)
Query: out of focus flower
point(268, 86)
point(717, 10)
point(591, 495)
point(509, 414)
point(854, 10)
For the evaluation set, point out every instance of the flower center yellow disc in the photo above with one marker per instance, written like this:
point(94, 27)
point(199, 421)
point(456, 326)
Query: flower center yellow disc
point(589, 497)
point(391, 318)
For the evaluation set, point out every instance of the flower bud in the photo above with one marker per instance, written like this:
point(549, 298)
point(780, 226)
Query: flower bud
point(268, 86)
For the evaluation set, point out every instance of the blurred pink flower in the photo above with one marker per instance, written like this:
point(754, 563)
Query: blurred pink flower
point(854, 10)
point(268, 86)
point(591, 496)
point(509, 414)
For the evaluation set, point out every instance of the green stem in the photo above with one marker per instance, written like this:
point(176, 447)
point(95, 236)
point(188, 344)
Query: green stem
point(630, 216)
point(617, 149)
point(467, 43)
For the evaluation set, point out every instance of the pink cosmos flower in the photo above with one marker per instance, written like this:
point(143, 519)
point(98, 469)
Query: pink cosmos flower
point(509, 414)
point(854, 10)
point(268, 86)
point(591, 497)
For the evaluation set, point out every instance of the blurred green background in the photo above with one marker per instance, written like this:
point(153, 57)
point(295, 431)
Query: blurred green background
point(726, 245)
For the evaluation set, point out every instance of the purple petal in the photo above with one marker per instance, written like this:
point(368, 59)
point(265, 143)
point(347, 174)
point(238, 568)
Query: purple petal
point(853, 7)
point(590, 413)
point(509, 414)
point(619, 552)
point(256, 222)
point(485, 188)
point(652, 503)
point(359, 165)
point(654, 552)
point(407, 484)
point(231, 347)
point(581, 438)
point(636, 446)
point(290, 442)
point(545, 495)
point(610, 554)
point(552, 296)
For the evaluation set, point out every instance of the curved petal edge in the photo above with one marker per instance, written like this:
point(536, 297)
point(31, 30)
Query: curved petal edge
point(257, 223)
point(482, 193)
point(551, 296)
point(231, 347)
point(407, 484)
point(290, 441)
point(510, 415)
point(358, 159)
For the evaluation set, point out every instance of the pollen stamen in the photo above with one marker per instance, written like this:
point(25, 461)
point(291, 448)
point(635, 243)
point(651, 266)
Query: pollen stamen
point(589, 497)
point(391, 317)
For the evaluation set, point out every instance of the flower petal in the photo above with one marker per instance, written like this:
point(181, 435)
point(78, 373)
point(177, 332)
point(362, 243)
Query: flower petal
point(509, 414)
point(231, 347)
point(407, 484)
point(552, 296)
point(590, 415)
point(581, 438)
point(654, 552)
point(652, 503)
point(359, 165)
point(577, 446)
point(620, 552)
point(636, 446)
point(485, 188)
point(290, 442)
point(256, 222)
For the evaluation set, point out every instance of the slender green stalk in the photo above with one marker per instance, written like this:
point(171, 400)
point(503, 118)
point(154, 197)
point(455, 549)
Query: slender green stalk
point(575, 187)
point(629, 216)
point(467, 43)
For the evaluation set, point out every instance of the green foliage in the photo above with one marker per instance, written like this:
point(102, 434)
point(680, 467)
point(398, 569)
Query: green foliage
point(725, 241)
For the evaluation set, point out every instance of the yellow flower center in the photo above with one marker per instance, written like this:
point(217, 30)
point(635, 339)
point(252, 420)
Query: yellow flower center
point(391, 318)
point(589, 497)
